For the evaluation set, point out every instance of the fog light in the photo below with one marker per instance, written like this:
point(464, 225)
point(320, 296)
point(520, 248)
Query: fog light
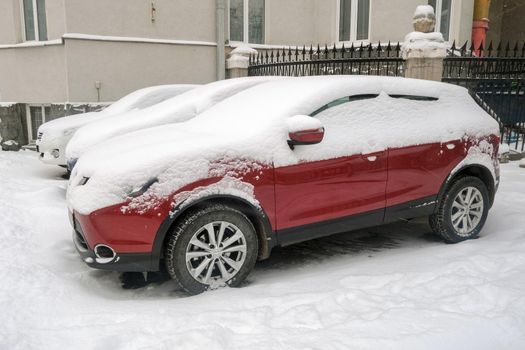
point(55, 153)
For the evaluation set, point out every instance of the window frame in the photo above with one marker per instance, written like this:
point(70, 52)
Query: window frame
point(437, 12)
point(353, 22)
point(29, 123)
point(246, 24)
point(36, 24)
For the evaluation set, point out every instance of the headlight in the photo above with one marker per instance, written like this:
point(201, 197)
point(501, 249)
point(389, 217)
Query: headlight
point(140, 191)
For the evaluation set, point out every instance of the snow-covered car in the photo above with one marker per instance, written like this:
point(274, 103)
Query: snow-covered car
point(53, 136)
point(175, 110)
point(280, 163)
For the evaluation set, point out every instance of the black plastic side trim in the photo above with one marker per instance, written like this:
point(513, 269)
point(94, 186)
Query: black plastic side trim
point(326, 228)
point(413, 209)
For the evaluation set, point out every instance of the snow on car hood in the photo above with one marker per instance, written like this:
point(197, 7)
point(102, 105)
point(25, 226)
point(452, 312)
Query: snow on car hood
point(175, 110)
point(59, 125)
point(250, 127)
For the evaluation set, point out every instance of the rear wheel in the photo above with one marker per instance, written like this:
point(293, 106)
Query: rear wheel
point(462, 211)
point(210, 248)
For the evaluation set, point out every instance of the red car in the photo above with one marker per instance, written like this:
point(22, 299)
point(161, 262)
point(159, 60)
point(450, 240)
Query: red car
point(280, 163)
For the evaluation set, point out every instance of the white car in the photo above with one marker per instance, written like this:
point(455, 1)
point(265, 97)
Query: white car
point(54, 136)
point(175, 110)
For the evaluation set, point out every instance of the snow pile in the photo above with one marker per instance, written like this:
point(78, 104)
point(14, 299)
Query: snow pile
point(252, 126)
point(424, 11)
point(174, 110)
point(393, 287)
point(424, 45)
point(302, 122)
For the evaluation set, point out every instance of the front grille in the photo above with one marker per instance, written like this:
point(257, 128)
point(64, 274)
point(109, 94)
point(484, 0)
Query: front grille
point(39, 136)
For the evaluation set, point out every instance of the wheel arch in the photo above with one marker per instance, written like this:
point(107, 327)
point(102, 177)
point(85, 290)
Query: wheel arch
point(257, 216)
point(475, 170)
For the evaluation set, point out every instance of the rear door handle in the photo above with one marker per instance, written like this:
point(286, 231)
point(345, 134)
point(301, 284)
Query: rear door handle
point(371, 158)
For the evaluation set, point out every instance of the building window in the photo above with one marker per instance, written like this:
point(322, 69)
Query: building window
point(36, 116)
point(443, 10)
point(247, 21)
point(354, 20)
point(35, 25)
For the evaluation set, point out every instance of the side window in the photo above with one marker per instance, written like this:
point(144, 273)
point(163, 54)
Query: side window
point(342, 100)
point(415, 97)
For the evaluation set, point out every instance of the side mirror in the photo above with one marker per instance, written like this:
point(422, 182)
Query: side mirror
point(304, 130)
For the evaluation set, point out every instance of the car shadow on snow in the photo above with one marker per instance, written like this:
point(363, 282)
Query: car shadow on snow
point(365, 242)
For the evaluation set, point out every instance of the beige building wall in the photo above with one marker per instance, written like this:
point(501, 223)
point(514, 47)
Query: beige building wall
point(392, 20)
point(122, 67)
point(174, 19)
point(33, 74)
point(56, 19)
point(10, 22)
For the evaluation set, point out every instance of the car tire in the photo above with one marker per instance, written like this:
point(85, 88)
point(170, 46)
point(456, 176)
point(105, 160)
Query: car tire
point(462, 211)
point(198, 263)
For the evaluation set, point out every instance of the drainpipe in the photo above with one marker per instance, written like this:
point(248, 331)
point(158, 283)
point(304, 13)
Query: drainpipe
point(221, 38)
point(480, 24)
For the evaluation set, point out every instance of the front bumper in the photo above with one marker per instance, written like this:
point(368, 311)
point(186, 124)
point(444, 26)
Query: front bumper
point(124, 262)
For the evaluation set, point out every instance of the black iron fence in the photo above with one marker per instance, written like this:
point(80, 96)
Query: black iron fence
point(380, 59)
point(495, 75)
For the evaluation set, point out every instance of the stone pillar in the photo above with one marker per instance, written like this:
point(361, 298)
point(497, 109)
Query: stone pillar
point(424, 49)
point(237, 63)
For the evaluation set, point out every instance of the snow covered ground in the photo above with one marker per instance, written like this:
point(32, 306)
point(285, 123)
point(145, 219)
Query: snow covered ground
point(391, 287)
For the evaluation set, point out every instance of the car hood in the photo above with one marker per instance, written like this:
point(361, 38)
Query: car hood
point(60, 125)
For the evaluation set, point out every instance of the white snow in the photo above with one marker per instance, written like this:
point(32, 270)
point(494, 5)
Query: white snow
point(252, 126)
point(33, 44)
point(303, 122)
point(428, 45)
point(175, 110)
point(423, 11)
point(391, 287)
point(80, 36)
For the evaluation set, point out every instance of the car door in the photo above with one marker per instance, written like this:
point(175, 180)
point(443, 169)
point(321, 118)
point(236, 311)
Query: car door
point(333, 188)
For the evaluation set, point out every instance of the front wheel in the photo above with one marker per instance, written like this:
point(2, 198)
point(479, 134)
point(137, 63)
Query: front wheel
point(211, 247)
point(462, 211)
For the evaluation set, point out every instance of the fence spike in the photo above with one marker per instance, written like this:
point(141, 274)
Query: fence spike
point(343, 50)
point(398, 49)
point(498, 49)
point(489, 49)
point(271, 56)
point(266, 57)
point(289, 53)
point(311, 52)
point(515, 50)
point(334, 52)
point(352, 50)
point(507, 49)
point(480, 49)
point(361, 50)
point(523, 50)
point(277, 56)
point(388, 49)
point(304, 52)
point(463, 49)
point(472, 48)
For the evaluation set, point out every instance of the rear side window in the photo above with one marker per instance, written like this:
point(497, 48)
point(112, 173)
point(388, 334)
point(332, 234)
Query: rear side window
point(342, 100)
point(415, 97)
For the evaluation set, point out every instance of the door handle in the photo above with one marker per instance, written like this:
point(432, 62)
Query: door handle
point(371, 158)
